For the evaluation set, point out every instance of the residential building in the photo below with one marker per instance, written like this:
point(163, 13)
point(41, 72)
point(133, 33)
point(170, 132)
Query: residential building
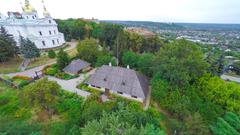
point(121, 81)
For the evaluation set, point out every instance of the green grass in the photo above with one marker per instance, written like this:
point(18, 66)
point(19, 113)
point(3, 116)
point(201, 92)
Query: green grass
point(10, 66)
point(40, 61)
point(72, 53)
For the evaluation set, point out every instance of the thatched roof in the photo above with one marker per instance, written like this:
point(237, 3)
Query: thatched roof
point(120, 79)
point(75, 66)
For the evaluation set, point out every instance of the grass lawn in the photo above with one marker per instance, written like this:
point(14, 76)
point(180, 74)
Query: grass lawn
point(44, 59)
point(72, 53)
point(10, 66)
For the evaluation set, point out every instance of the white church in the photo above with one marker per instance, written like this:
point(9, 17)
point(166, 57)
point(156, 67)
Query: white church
point(42, 31)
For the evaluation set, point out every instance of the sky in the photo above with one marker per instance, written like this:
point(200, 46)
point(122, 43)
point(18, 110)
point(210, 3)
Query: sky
point(195, 11)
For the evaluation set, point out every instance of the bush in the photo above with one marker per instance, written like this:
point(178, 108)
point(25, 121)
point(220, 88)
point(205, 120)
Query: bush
point(26, 78)
point(51, 71)
point(51, 54)
point(65, 76)
point(23, 83)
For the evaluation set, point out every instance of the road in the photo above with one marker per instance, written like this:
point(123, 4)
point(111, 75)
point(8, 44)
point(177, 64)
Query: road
point(231, 78)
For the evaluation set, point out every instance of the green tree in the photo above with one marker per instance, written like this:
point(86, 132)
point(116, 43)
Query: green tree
point(233, 120)
point(62, 59)
point(51, 54)
point(145, 64)
point(150, 129)
point(108, 34)
point(109, 124)
point(135, 42)
point(8, 45)
point(130, 58)
point(223, 128)
point(105, 59)
point(216, 90)
point(28, 48)
point(88, 50)
point(152, 44)
point(180, 63)
point(42, 93)
point(196, 126)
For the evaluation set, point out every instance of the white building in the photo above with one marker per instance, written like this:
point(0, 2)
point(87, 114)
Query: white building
point(42, 31)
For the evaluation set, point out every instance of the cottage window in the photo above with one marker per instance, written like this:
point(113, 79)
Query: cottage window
point(119, 92)
point(32, 17)
point(43, 42)
point(134, 96)
point(40, 33)
point(50, 33)
point(50, 21)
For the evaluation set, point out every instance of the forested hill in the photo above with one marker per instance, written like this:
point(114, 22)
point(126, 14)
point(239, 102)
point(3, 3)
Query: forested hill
point(178, 26)
point(149, 25)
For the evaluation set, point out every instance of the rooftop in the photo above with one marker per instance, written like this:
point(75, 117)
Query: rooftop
point(120, 79)
point(76, 65)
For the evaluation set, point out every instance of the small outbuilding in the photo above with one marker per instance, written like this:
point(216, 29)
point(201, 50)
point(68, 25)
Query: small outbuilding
point(77, 66)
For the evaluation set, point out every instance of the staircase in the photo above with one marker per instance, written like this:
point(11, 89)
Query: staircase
point(24, 64)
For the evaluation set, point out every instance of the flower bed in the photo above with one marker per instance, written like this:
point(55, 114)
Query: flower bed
point(17, 81)
point(53, 70)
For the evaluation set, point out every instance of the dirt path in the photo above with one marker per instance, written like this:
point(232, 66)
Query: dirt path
point(163, 122)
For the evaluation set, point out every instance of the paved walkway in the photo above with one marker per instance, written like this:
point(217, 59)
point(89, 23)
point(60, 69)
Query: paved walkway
point(231, 78)
point(72, 45)
point(70, 85)
point(29, 72)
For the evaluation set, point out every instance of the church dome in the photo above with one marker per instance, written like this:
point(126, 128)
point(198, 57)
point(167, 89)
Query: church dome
point(46, 13)
point(28, 8)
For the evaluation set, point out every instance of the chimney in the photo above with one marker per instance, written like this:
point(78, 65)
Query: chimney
point(128, 67)
point(110, 64)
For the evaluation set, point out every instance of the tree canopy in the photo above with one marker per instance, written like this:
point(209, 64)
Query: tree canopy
point(28, 49)
point(180, 63)
point(8, 45)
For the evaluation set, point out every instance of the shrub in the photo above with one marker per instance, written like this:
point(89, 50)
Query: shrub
point(51, 71)
point(65, 76)
point(51, 54)
point(26, 78)
point(233, 120)
point(23, 83)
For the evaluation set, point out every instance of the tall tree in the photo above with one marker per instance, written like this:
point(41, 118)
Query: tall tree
point(62, 59)
point(180, 63)
point(28, 49)
point(42, 93)
point(8, 45)
point(88, 50)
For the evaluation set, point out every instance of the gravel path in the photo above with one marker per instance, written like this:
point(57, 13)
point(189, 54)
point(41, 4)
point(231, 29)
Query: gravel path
point(231, 78)
point(70, 85)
